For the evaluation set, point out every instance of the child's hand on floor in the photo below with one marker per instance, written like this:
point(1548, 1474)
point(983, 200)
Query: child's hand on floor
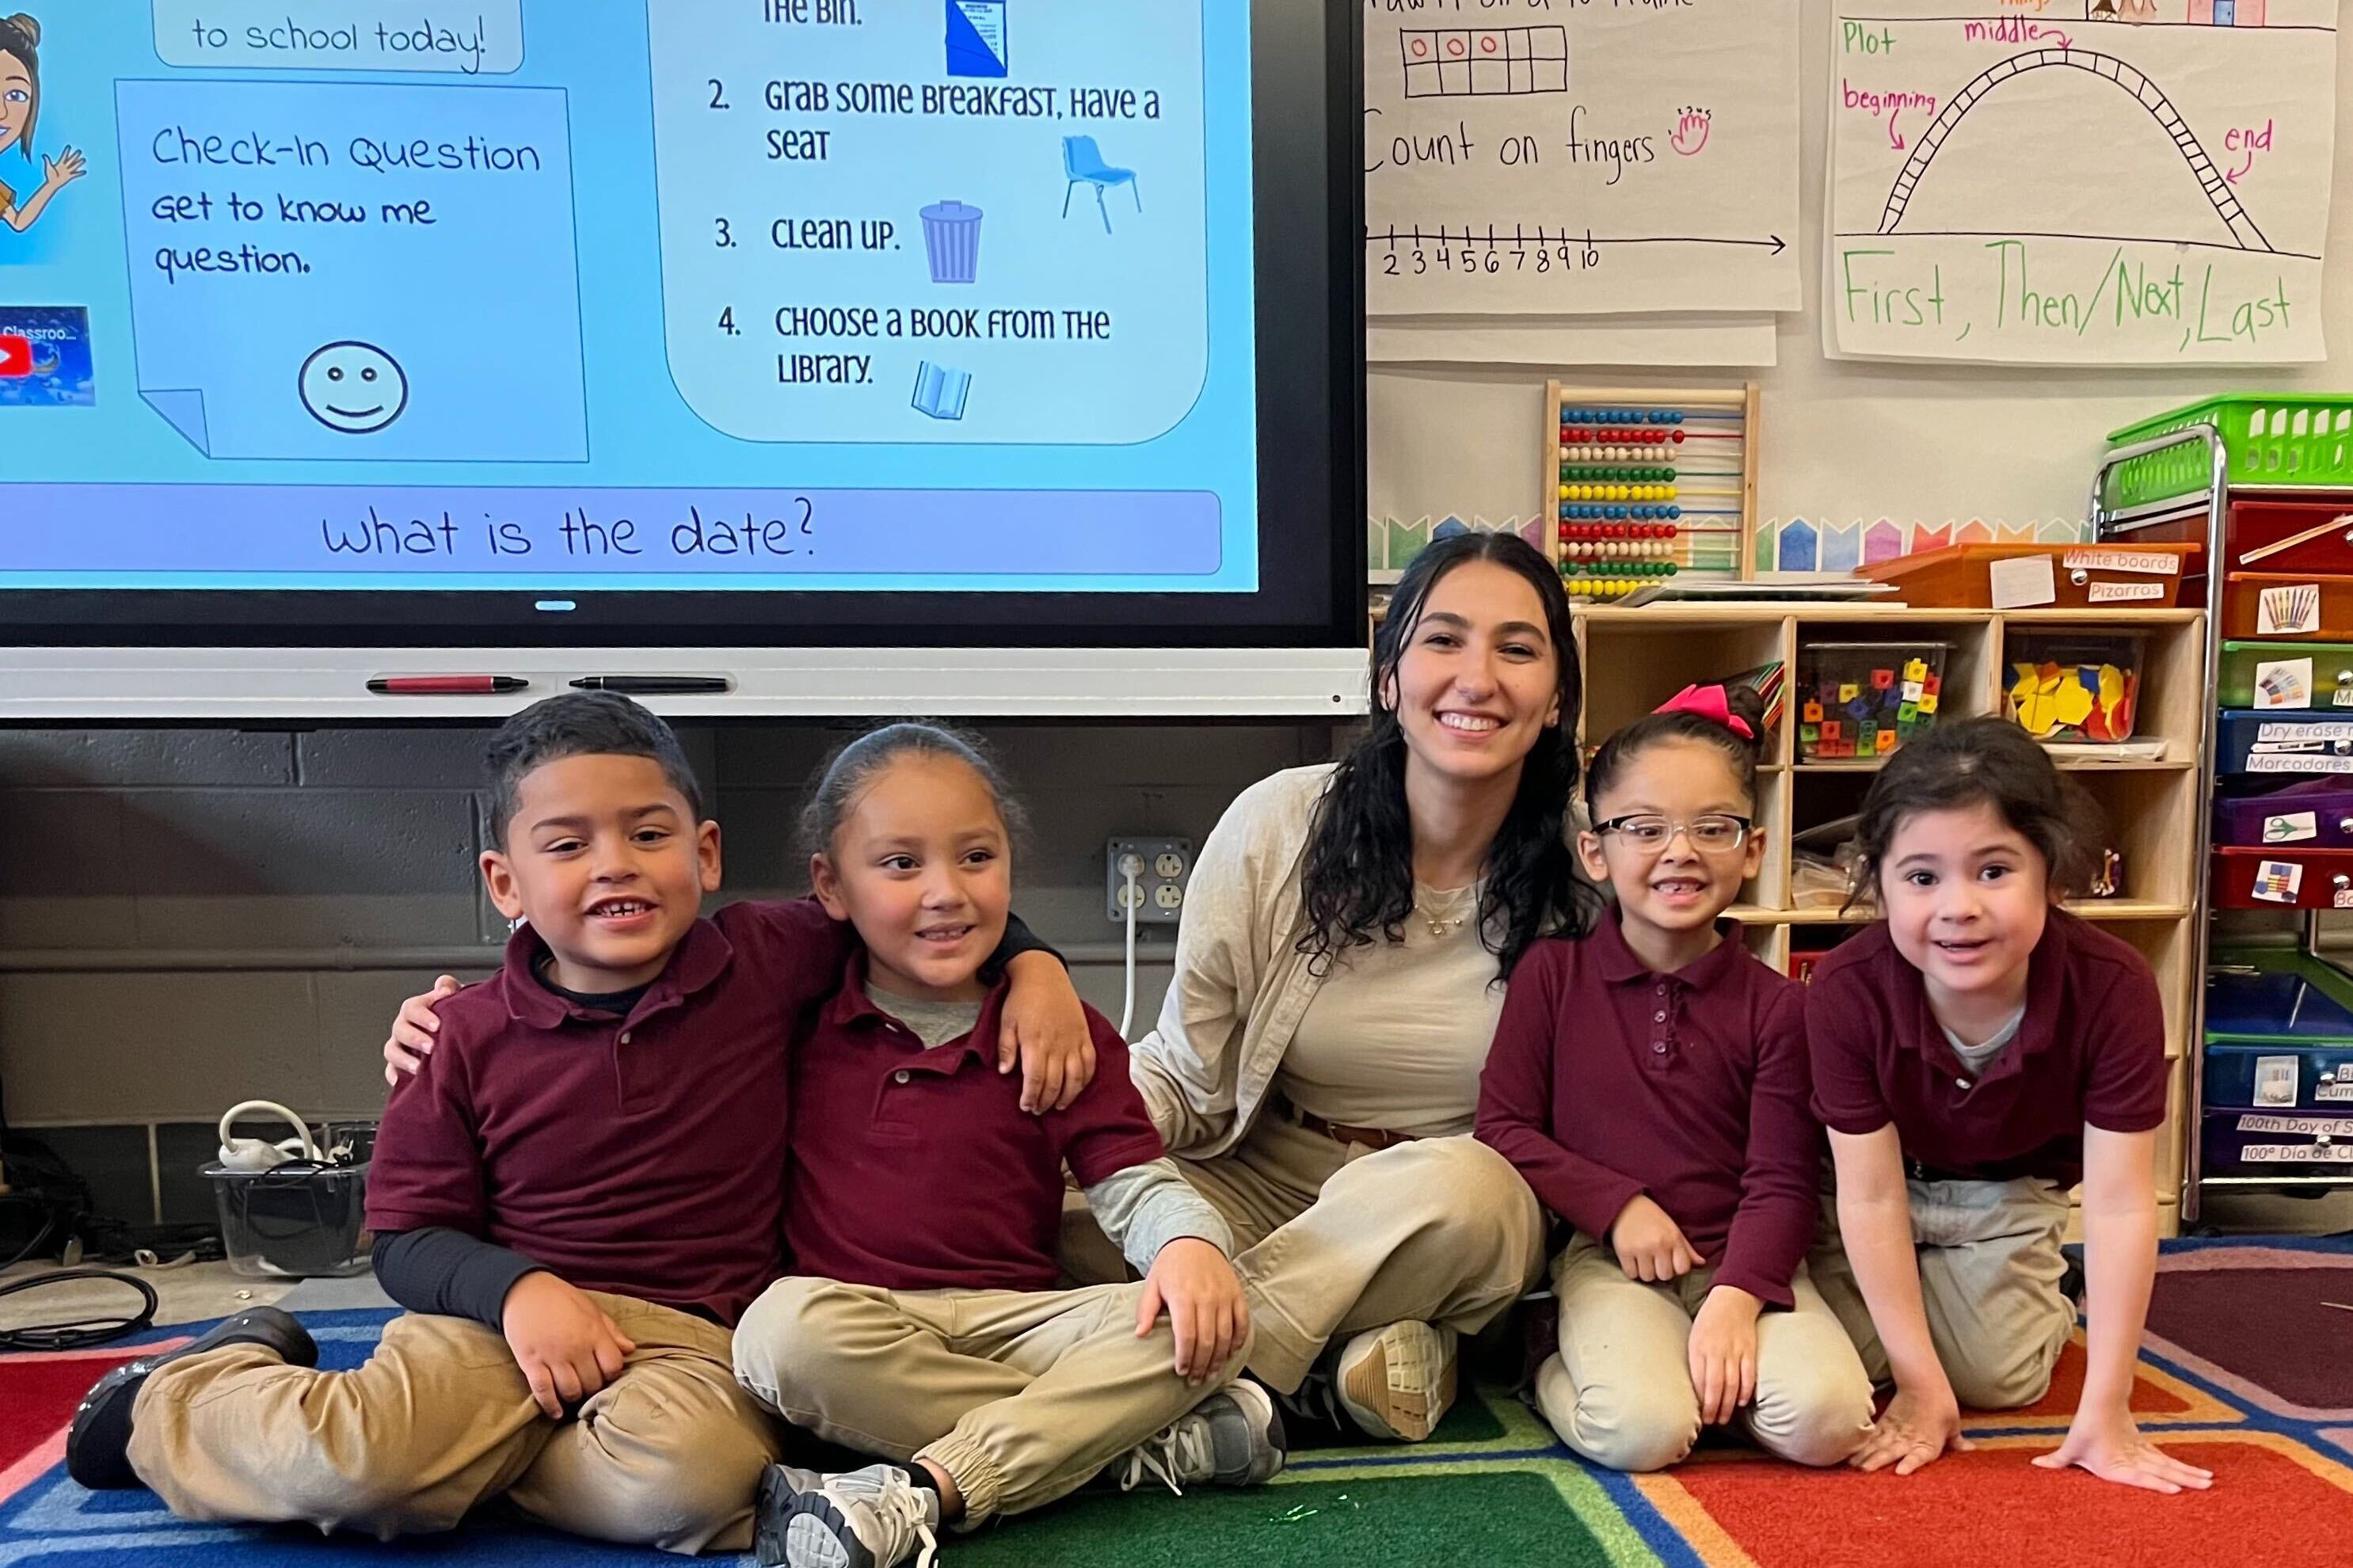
point(1723, 1353)
point(1649, 1245)
point(566, 1346)
point(1044, 1025)
point(411, 1040)
point(1194, 1281)
point(1917, 1430)
point(2111, 1446)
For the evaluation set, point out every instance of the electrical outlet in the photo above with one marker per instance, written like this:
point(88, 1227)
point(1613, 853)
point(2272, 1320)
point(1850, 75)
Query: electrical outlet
point(1161, 866)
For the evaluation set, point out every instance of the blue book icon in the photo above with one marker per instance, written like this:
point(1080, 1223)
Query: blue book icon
point(941, 392)
point(976, 38)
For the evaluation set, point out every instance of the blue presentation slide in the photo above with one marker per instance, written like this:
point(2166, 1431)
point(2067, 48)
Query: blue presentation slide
point(853, 295)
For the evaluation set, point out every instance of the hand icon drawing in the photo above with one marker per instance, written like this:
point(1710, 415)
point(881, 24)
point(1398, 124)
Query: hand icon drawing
point(1691, 131)
point(63, 170)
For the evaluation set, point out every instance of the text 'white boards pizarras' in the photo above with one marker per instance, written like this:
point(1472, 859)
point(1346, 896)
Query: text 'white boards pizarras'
point(1569, 157)
point(2095, 181)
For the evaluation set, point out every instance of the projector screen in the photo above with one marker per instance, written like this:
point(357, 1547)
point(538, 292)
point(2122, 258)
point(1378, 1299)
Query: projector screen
point(922, 322)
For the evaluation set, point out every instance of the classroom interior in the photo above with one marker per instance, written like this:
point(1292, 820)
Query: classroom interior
point(198, 911)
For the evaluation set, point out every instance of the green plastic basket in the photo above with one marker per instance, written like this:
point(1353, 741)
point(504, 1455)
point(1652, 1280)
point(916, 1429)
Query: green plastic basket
point(2273, 439)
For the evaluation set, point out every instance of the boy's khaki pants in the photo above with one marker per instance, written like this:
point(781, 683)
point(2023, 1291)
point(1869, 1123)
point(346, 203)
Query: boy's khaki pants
point(1337, 1238)
point(1021, 1395)
point(1619, 1392)
point(1989, 1273)
point(440, 1419)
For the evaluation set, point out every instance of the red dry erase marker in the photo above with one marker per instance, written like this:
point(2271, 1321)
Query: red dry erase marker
point(447, 685)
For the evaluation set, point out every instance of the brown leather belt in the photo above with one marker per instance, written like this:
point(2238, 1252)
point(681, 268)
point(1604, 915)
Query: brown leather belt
point(1370, 1137)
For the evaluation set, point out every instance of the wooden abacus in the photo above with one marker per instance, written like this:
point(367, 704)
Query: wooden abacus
point(1648, 485)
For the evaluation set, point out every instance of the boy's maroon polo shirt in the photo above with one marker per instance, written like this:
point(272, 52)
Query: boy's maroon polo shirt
point(644, 1156)
point(916, 1169)
point(1607, 1081)
point(2091, 1049)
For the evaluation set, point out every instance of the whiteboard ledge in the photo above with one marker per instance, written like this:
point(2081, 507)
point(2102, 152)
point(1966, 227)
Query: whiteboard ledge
point(68, 685)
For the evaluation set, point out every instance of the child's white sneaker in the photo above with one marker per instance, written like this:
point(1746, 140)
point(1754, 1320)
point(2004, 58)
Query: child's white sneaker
point(874, 1518)
point(1397, 1382)
point(1233, 1438)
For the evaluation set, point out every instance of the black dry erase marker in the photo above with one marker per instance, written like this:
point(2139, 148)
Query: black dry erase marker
point(657, 685)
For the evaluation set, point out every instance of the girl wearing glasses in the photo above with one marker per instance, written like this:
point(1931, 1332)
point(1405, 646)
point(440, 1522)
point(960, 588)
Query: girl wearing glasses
point(1650, 1082)
point(1974, 1054)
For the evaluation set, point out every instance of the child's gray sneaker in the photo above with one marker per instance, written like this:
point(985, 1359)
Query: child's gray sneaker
point(874, 1518)
point(1233, 1438)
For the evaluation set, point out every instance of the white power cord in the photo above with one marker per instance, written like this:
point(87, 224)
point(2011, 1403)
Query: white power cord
point(253, 1154)
point(1131, 866)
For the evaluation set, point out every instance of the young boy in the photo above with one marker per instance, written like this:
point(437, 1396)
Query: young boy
point(574, 1198)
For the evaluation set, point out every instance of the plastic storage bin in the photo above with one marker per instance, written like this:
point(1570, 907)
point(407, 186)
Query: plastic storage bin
point(2062, 576)
point(298, 1221)
point(2310, 606)
point(2304, 745)
point(2271, 439)
point(1863, 699)
point(2286, 674)
point(2282, 877)
point(2279, 1067)
point(2314, 535)
point(2065, 686)
point(2264, 1143)
point(2317, 814)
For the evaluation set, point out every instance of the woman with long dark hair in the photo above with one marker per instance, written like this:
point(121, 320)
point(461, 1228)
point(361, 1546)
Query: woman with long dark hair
point(1339, 972)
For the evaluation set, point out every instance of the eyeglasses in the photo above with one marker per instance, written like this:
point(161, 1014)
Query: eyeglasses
point(1713, 833)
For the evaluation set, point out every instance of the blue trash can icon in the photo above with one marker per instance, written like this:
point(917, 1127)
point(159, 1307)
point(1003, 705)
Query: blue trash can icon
point(952, 239)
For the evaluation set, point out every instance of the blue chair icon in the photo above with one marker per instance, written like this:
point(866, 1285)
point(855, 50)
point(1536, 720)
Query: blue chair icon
point(1083, 164)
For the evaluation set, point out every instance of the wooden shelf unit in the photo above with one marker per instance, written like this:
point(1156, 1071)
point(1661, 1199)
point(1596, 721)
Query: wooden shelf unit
point(1634, 659)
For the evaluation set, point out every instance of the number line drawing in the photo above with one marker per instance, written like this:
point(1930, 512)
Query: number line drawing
point(1495, 238)
point(2109, 68)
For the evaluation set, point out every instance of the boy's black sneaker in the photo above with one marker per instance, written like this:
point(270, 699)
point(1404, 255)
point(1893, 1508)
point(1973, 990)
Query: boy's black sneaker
point(98, 1446)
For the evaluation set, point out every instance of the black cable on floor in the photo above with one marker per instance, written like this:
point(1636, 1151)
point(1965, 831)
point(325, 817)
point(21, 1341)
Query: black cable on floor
point(79, 1334)
point(48, 1227)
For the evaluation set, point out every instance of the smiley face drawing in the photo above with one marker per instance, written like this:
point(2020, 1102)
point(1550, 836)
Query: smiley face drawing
point(353, 388)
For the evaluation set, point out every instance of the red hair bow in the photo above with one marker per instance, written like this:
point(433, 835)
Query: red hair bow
point(1710, 703)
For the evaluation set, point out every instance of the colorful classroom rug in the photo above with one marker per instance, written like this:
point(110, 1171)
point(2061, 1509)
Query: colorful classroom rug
point(2249, 1372)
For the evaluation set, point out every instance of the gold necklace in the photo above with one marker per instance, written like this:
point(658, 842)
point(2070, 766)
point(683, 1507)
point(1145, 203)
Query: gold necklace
point(1439, 925)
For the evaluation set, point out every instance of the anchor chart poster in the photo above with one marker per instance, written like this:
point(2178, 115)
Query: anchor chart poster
point(2081, 181)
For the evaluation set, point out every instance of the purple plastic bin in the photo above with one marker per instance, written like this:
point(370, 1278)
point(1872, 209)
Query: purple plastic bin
point(2315, 814)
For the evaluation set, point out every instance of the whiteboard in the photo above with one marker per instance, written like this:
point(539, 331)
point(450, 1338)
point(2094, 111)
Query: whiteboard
point(2084, 182)
point(1576, 157)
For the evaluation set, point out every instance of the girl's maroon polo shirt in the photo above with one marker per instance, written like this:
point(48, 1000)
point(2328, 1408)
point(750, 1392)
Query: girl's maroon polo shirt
point(917, 1168)
point(1607, 1081)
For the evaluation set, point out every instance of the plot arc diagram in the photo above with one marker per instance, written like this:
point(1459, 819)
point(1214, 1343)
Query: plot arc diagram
point(2107, 68)
point(1991, 202)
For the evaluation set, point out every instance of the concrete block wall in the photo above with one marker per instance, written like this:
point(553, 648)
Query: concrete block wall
point(193, 917)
